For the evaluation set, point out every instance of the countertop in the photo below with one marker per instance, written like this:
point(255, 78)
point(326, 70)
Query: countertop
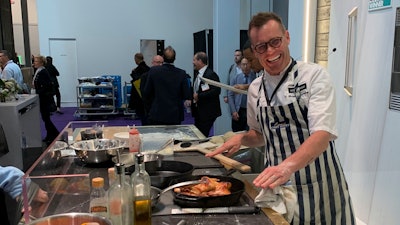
point(46, 169)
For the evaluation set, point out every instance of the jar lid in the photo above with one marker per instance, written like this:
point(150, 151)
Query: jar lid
point(98, 182)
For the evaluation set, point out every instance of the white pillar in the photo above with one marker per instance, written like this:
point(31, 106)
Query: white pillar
point(309, 30)
point(226, 39)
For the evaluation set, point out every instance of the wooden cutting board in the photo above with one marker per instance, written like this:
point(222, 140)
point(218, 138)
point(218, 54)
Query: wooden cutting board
point(207, 147)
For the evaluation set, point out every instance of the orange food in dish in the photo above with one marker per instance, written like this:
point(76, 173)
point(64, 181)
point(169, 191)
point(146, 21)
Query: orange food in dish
point(206, 188)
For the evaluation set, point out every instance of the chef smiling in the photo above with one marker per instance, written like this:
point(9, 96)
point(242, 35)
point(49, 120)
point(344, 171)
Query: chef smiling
point(291, 110)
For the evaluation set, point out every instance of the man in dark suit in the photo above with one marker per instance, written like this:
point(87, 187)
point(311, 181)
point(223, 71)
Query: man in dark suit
point(206, 106)
point(168, 87)
point(158, 60)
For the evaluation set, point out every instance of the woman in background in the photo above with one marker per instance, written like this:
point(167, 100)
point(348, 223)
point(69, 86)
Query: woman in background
point(53, 75)
point(44, 88)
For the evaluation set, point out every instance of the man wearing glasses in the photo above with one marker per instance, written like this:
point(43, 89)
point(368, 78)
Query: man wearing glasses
point(238, 102)
point(291, 110)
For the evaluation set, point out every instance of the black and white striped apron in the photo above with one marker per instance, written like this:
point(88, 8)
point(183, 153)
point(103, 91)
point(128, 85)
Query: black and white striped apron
point(322, 191)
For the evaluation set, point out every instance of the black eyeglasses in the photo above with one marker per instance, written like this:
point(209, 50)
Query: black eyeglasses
point(263, 47)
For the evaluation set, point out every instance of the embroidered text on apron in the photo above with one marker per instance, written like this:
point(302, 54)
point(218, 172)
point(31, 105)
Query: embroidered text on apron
point(321, 187)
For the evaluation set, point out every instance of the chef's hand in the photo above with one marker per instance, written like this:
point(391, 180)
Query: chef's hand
point(272, 177)
point(225, 99)
point(230, 147)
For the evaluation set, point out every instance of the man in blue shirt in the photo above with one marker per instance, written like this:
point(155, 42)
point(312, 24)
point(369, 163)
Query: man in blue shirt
point(10, 69)
point(238, 102)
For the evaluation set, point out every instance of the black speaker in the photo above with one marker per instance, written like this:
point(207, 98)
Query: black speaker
point(160, 47)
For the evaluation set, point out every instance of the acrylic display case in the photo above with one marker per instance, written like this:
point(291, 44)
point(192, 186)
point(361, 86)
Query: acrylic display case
point(66, 179)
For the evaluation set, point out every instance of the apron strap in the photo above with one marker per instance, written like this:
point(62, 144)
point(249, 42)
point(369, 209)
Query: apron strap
point(279, 84)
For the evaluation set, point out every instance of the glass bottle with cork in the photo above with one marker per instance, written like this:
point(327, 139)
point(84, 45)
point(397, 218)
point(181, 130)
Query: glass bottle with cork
point(120, 198)
point(98, 198)
point(140, 181)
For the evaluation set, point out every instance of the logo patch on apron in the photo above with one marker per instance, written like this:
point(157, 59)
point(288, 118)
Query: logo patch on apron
point(297, 91)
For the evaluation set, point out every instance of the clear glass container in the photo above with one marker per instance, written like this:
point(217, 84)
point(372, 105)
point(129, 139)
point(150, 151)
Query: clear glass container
point(140, 181)
point(98, 198)
point(120, 198)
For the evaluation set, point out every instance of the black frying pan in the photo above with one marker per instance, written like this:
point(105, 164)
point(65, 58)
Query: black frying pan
point(237, 190)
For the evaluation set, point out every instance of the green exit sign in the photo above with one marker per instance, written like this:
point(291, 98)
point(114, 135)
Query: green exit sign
point(378, 4)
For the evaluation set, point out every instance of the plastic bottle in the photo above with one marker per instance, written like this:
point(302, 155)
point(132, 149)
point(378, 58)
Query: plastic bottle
point(120, 198)
point(140, 181)
point(98, 198)
point(134, 140)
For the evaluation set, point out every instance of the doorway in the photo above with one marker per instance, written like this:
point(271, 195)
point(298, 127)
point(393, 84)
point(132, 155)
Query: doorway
point(150, 48)
point(65, 60)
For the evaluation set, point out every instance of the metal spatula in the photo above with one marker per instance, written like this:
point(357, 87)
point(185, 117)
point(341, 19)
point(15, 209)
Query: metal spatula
point(180, 185)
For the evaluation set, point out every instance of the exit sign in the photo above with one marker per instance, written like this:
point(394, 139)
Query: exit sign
point(378, 4)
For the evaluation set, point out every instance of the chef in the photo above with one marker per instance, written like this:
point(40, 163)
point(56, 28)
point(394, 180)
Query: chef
point(291, 110)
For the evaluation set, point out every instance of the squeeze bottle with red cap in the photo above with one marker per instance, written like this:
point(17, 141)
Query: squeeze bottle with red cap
point(134, 140)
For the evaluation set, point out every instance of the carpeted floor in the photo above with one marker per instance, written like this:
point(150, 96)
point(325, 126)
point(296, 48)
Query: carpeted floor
point(61, 120)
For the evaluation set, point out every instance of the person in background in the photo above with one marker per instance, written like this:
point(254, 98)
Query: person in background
point(135, 101)
point(10, 68)
point(291, 109)
point(157, 60)
point(206, 106)
point(53, 75)
point(16, 60)
point(32, 60)
point(238, 102)
point(253, 61)
point(11, 181)
point(43, 87)
point(234, 69)
point(167, 86)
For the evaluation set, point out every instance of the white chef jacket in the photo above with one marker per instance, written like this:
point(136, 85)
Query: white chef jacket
point(317, 94)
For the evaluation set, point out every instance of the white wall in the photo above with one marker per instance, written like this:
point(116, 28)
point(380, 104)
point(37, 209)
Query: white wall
point(368, 129)
point(108, 33)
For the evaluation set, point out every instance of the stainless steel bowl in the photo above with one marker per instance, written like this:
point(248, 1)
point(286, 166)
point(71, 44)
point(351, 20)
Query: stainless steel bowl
point(71, 218)
point(96, 150)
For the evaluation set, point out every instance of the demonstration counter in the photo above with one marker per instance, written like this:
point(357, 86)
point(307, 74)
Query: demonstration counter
point(52, 169)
